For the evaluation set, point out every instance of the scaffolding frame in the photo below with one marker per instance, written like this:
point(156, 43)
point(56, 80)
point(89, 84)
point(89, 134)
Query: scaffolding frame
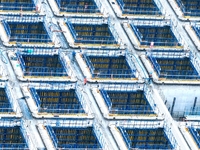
point(28, 37)
point(140, 7)
point(10, 106)
point(178, 43)
point(195, 132)
point(188, 9)
point(142, 125)
point(27, 32)
point(87, 6)
point(60, 70)
point(56, 87)
point(12, 128)
point(196, 28)
point(192, 60)
point(129, 89)
point(37, 50)
point(93, 22)
point(98, 70)
point(17, 5)
point(97, 129)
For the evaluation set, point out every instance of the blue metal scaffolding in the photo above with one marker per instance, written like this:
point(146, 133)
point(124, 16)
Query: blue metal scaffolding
point(109, 67)
point(42, 65)
point(126, 102)
point(197, 30)
point(145, 138)
point(195, 133)
point(12, 138)
point(147, 7)
point(91, 33)
point(189, 8)
point(27, 32)
point(160, 35)
point(77, 6)
point(174, 68)
point(57, 101)
point(6, 27)
point(73, 137)
point(5, 105)
point(20, 5)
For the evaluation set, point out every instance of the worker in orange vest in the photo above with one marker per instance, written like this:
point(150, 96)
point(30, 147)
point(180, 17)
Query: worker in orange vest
point(85, 81)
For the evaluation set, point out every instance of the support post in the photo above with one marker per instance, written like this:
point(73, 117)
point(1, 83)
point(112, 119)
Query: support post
point(194, 105)
point(173, 105)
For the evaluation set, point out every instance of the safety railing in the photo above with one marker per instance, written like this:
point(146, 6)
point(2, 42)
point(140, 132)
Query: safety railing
point(7, 28)
point(154, 138)
point(82, 34)
point(195, 135)
point(42, 71)
point(79, 6)
point(142, 8)
point(175, 65)
point(10, 97)
point(75, 137)
point(189, 9)
point(128, 102)
point(160, 39)
point(15, 5)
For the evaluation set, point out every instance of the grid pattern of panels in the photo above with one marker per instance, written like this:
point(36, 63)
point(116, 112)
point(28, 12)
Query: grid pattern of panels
point(91, 33)
point(82, 6)
point(4, 102)
point(126, 102)
point(12, 138)
point(189, 8)
point(174, 68)
point(146, 138)
point(59, 111)
point(42, 65)
point(69, 137)
point(13, 5)
point(109, 67)
point(196, 135)
point(143, 7)
point(52, 101)
point(28, 32)
point(161, 36)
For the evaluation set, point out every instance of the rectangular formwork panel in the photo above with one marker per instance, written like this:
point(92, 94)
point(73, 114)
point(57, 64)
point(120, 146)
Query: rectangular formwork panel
point(91, 33)
point(34, 32)
point(12, 138)
point(126, 102)
point(180, 68)
point(17, 5)
point(139, 7)
point(145, 138)
point(5, 105)
point(159, 35)
point(57, 101)
point(73, 137)
point(189, 8)
point(77, 6)
point(42, 65)
point(106, 67)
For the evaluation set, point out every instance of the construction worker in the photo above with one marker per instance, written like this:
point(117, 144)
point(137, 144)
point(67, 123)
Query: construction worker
point(85, 81)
